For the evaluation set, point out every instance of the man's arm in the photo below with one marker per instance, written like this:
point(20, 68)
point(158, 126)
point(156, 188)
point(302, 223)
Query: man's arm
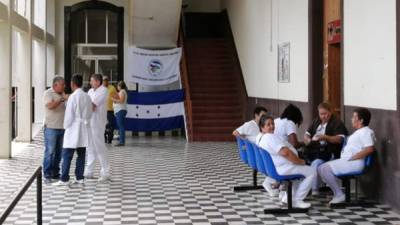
point(363, 153)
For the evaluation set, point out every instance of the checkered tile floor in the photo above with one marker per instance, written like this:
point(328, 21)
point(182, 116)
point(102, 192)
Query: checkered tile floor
point(164, 180)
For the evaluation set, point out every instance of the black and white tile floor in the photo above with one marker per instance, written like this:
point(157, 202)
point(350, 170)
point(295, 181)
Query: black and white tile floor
point(164, 180)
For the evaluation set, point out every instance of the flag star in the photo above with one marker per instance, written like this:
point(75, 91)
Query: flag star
point(137, 107)
point(137, 115)
point(147, 111)
point(158, 115)
point(158, 107)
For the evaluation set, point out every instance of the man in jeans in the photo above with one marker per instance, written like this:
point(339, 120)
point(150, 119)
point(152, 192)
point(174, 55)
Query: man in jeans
point(54, 99)
point(77, 131)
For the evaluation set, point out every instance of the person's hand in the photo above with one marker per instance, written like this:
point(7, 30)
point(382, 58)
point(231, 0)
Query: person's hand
point(94, 107)
point(302, 162)
point(318, 137)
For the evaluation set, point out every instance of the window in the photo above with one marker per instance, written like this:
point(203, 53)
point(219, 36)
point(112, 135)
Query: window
point(21, 7)
point(39, 13)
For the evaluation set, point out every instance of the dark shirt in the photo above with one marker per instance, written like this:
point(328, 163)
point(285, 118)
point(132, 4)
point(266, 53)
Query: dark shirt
point(334, 127)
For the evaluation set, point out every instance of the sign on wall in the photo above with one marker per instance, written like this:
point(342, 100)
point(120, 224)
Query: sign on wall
point(153, 67)
point(284, 62)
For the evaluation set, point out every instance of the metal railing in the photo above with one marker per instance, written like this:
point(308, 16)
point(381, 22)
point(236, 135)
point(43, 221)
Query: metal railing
point(38, 176)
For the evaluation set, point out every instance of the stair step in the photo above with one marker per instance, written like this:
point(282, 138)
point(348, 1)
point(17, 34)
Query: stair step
point(215, 116)
point(213, 137)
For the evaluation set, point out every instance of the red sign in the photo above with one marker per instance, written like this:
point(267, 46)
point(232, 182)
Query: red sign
point(334, 32)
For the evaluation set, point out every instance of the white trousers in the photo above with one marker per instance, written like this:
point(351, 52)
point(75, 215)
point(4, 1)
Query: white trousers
point(97, 150)
point(301, 187)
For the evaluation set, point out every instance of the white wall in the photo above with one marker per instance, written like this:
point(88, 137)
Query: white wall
point(202, 5)
point(370, 53)
point(257, 33)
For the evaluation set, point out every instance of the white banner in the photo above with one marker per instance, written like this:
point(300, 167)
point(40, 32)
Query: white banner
point(153, 67)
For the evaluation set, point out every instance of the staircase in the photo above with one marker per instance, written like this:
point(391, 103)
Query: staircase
point(216, 89)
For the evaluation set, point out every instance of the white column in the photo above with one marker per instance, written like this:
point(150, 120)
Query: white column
point(5, 89)
point(39, 77)
point(24, 87)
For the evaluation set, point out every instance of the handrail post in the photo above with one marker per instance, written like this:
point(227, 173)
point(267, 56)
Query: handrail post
point(39, 197)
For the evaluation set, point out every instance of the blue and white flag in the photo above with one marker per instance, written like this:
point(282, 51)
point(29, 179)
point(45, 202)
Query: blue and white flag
point(155, 111)
point(153, 67)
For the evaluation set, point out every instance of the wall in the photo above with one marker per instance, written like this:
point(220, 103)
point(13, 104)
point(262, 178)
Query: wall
point(370, 53)
point(202, 5)
point(258, 27)
point(371, 79)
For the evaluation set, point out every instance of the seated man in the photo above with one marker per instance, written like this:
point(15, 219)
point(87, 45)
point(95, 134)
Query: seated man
point(286, 160)
point(359, 145)
point(250, 130)
point(323, 139)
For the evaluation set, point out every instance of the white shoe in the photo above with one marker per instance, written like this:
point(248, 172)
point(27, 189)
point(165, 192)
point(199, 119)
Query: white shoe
point(61, 183)
point(80, 182)
point(268, 187)
point(283, 197)
point(338, 199)
point(301, 205)
point(314, 193)
point(103, 179)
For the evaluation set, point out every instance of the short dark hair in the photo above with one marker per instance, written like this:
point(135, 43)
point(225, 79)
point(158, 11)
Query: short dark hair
point(98, 77)
point(258, 110)
point(122, 85)
point(77, 79)
point(292, 113)
point(364, 115)
point(263, 120)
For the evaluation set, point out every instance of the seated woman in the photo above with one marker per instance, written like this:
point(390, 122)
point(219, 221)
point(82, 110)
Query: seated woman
point(286, 125)
point(286, 160)
point(323, 139)
point(250, 130)
point(359, 145)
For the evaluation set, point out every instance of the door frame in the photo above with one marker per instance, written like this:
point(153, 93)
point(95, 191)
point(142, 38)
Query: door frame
point(91, 5)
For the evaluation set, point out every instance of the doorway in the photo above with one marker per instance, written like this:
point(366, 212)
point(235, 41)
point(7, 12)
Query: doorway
point(332, 79)
point(94, 40)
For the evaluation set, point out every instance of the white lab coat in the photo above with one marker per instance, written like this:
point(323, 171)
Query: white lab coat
point(77, 120)
point(97, 147)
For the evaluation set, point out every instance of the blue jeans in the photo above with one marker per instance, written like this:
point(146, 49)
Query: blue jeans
point(53, 142)
point(67, 155)
point(120, 117)
point(316, 182)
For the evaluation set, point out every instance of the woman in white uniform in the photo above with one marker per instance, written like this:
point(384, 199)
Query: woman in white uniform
point(359, 145)
point(286, 160)
point(286, 125)
point(250, 129)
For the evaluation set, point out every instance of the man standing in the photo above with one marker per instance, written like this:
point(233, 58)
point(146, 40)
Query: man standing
point(110, 109)
point(97, 148)
point(77, 131)
point(53, 99)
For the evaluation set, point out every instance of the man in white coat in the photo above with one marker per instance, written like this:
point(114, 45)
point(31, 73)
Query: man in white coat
point(77, 131)
point(97, 148)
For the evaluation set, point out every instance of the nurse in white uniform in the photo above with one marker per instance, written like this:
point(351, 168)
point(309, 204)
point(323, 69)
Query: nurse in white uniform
point(250, 129)
point(97, 148)
point(359, 145)
point(286, 160)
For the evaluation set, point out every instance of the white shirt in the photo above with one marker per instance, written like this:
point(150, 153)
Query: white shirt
point(273, 143)
point(360, 139)
point(77, 120)
point(250, 130)
point(99, 98)
point(284, 128)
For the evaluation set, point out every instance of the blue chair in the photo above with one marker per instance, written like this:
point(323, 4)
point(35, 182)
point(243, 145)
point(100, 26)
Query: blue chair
point(346, 181)
point(259, 161)
point(242, 149)
point(246, 151)
point(271, 172)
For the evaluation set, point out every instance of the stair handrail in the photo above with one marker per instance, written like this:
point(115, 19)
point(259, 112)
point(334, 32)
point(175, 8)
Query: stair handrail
point(186, 86)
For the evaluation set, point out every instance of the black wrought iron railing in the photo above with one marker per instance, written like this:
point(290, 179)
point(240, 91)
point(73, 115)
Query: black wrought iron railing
point(38, 176)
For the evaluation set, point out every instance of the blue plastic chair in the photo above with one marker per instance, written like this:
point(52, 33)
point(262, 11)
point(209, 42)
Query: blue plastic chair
point(271, 172)
point(246, 151)
point(346, 180)
point(259, 160)
point(242, 149)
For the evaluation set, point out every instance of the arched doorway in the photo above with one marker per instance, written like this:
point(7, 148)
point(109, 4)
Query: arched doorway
point(93, 40)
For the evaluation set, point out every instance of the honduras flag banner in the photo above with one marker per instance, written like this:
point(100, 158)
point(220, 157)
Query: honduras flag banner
point(155, 111)
point(153, 67)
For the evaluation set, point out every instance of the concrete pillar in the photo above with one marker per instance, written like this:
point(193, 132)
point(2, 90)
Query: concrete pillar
point(24, 86)
point(5, 89)
point(39, 77)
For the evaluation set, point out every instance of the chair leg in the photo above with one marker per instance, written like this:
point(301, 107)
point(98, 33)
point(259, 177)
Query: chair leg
point(290, 208)
point(250, 187)
point(348, 202)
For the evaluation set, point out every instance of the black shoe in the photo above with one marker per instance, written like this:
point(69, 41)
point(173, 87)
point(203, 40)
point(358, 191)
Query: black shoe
point(119, 145)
